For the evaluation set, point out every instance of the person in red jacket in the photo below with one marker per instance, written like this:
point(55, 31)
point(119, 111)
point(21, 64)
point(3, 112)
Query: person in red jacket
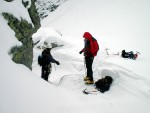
point(90, 50)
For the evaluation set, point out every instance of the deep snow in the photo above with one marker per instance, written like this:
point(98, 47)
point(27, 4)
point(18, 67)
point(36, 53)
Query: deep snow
point(116, 25)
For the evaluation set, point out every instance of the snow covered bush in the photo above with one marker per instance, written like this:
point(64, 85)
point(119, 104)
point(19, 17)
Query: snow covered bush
point(47, 35)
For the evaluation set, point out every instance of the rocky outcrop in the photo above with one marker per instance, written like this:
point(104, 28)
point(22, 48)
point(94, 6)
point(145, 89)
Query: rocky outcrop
point(44, 7)
point(34, 14)
point(23, 32)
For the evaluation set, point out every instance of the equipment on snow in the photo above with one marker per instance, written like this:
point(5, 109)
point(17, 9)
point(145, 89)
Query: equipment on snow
point(111, 53)
point(103, 84)
point(107, 51)
point(58, 82)
point(129, 55)
point(85, 91)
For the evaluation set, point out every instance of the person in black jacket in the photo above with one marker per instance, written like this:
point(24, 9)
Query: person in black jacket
point(47, 59)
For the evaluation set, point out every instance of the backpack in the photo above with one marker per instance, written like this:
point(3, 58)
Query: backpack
point(40, 60)
point(94, 47)
point(103, 84)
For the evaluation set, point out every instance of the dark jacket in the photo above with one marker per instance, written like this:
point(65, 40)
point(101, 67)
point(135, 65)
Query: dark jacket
point(47, 57)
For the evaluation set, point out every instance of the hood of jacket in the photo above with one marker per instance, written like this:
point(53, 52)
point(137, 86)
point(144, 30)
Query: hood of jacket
point(87, 35)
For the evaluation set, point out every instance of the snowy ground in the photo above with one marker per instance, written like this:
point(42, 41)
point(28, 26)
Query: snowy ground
point(116, 25)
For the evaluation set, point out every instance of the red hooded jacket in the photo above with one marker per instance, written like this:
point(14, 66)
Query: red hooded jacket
point(93, 47)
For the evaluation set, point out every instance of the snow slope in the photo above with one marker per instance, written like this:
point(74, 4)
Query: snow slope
point(116, 24)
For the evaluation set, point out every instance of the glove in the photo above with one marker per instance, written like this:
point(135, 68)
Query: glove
point(57, 63)
point(80, 52)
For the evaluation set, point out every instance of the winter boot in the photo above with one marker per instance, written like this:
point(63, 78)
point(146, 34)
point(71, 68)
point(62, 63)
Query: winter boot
point(89, 82)
point(86, 78)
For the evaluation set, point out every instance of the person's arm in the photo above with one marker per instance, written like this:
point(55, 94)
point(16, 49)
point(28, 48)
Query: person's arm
point(85, 46)
point(53, 60)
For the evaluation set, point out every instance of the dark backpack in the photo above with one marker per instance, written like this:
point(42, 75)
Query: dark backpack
point(40, 60)
point(103, 84)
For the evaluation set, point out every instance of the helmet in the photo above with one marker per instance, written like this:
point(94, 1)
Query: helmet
point(47, 45)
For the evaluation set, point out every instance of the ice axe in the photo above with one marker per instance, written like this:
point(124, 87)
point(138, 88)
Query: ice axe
point(107, 51)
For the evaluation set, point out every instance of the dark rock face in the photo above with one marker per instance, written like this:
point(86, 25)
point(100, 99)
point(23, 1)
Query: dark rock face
point(23, 32)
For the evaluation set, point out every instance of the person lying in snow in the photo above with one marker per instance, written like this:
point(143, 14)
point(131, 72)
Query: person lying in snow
point(130, 55)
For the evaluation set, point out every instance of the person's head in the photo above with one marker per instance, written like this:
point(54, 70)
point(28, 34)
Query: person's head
point(87, 35)
point(48, 46)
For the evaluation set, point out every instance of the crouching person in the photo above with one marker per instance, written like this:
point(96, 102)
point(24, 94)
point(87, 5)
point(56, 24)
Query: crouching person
point(45, 61)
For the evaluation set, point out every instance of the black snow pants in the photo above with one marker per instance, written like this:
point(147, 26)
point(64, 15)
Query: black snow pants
point(46, 70)
point(89, 62)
